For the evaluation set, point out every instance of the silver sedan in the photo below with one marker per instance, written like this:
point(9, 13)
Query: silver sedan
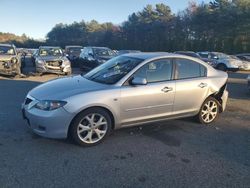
point(127, 90)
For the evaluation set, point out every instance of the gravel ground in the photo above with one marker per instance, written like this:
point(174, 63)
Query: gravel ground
point(177, 153)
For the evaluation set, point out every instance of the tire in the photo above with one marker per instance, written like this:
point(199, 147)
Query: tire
point(209, 111)
point(222, 67)
point(85, 130)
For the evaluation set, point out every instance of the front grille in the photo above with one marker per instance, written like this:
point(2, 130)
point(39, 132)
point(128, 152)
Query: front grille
point(4, 65)
point(28, 101)
point(54, 63)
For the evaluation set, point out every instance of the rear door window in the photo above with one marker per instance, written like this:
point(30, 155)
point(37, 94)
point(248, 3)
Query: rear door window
point(186, 68)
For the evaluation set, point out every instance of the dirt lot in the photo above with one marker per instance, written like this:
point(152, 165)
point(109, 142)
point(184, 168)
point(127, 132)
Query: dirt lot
point(177, 153)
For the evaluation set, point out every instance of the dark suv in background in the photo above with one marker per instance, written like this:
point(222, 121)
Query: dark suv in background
point(91, 57)
point(10, 61)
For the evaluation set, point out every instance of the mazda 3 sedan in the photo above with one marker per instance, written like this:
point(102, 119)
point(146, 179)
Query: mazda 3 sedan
point(127, 90)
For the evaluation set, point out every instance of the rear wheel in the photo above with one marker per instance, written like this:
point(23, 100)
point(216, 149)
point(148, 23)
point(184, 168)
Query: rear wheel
point(90, 127)
point(209, 111)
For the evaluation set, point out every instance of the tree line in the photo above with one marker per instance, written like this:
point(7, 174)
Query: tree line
point(221, 25)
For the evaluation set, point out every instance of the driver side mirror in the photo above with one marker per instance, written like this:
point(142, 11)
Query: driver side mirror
point(139, 81)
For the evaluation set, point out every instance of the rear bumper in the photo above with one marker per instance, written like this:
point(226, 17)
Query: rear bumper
point(224, 99)
point(233, 69)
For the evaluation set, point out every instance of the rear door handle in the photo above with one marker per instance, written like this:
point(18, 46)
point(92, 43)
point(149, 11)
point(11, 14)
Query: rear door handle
point(202, 85)
point(167, 89)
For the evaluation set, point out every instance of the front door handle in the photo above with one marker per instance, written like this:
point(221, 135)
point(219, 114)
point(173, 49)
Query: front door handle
point(202, 85)
point(167, 89)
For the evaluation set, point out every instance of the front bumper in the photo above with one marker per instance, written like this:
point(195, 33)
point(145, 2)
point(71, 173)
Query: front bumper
point(50, 124)
point(245, 66)
point(50, 69)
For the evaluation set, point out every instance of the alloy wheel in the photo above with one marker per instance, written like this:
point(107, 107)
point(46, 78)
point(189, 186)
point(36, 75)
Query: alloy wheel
point(209, 111)
point(92, 128)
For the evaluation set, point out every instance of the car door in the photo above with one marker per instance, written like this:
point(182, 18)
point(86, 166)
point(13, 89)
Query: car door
point(155, 99)
point(191, 86)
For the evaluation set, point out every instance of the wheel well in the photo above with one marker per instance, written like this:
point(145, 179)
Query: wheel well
point(100, 107)
point(221, 64)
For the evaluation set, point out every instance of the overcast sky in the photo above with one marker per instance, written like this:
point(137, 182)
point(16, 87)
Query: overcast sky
point(35, 18)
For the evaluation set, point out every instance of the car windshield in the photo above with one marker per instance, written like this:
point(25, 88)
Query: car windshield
point(50, 52)
point(7, 50)
point(203, 54)
point(103, 52)
point(113, 70)
point(75, 50)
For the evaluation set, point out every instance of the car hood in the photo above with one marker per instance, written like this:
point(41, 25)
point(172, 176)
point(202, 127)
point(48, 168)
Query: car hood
point(52, 58)
point(62, 88)
point(6, 57)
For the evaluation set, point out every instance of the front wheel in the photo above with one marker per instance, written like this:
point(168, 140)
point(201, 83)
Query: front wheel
point(222, 67)
point(209, 111)
point(90, 127)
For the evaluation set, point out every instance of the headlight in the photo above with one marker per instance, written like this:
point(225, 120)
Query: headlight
point(65, 62)
point(49, 105)
point(14, 60)
point(40, 61)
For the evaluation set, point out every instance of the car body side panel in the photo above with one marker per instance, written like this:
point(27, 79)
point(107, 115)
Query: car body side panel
point(189, 95)
point(141, 103)
point(108, 99)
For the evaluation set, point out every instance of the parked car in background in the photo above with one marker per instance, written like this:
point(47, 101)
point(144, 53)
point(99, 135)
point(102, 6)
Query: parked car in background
point(223, 61)
point(120, 52)
point(52, 60)
point(127, 90)
point(245, 58)
point(196, 55)
point(92, 57)
point(10, 61)
point(73, 53)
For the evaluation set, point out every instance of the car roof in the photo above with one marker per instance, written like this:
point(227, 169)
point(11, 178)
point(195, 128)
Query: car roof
point(96, 47)
point(150, 55)
point(49, 47)
point(73, 46)
point(244, 54)
point(4, 44)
